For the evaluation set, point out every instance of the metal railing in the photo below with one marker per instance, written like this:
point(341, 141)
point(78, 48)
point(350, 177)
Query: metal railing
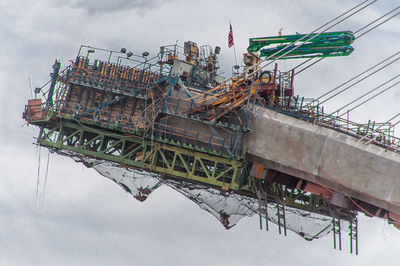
point(381, 134)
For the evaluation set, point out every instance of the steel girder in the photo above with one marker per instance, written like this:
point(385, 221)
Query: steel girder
point(153, 155)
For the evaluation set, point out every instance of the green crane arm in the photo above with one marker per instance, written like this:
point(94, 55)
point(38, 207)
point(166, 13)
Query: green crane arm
point(327, 44)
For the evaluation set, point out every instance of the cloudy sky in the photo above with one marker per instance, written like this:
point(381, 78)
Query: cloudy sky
point(88, 220)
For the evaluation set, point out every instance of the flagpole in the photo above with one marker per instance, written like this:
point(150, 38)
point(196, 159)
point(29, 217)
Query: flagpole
point(234, 50)
point(233, 42)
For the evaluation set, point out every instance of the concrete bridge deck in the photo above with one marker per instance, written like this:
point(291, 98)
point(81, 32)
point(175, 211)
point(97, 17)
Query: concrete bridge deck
point(321, 155)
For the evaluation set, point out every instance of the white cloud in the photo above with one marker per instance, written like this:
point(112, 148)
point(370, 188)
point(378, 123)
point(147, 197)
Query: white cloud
point(104, 6)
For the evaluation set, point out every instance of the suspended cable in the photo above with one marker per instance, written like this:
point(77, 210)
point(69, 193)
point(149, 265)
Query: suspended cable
point(296, 47)
point(398, 114)
point(301, 70)
point(348, 87)
point(365, 94)
point(396, 123)
point(41, 194)
point(387, 122)
point(378, 25)
point(372, 97)
point(304, 37)
point(369, 24)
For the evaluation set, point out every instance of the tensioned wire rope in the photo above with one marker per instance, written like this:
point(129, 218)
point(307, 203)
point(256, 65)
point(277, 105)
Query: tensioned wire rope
point(305, 38)
point(362, 96)
point(320, 59)
point(358, 75)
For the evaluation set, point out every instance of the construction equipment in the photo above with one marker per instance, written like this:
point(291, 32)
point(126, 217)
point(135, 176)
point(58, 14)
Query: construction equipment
point(328, 44)
point(172, 119)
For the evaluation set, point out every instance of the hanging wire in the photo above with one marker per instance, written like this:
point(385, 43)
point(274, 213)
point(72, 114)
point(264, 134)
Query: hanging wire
point(348, 87)
point(369, 24)
point(41, 193)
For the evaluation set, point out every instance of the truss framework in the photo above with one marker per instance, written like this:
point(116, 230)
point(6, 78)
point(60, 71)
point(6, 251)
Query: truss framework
point(148, 154)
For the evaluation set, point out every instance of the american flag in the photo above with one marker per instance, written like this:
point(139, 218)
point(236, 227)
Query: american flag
point(230, 36)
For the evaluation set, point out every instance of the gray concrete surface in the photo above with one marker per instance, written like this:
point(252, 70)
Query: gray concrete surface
point(321, 155)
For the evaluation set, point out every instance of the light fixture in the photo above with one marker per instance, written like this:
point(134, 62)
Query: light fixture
point(145, 54)
point(129, 54)
point(123, 50)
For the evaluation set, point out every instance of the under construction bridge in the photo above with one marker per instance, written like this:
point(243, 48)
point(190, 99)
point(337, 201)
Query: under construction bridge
point(171, 119)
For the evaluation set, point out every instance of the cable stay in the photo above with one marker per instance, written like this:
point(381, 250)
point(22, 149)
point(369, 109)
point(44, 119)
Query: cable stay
point(372, 97)
point(312, 37)
point(259, 67)
point(355, 77)
point(357, 37)
point(393, 125)
point(331, 45)
point(388, 123)
point(362, 96)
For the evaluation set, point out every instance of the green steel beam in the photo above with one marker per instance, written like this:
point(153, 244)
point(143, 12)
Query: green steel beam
point(182, 162)
point(143, 153)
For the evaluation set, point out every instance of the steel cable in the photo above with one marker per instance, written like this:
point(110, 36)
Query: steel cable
point(391, 86)
point(304, 37)
point(348, 87)
point(365, 94)
point(369, 24)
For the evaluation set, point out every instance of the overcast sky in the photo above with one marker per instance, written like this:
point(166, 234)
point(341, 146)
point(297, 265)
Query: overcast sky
point(87, 219)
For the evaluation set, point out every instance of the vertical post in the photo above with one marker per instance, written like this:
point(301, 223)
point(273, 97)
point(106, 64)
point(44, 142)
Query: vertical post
point(356, 235)
point(177, 104)
point(351, 236)
point(54, 76)
point(301, 103)
point(334, 232)
point(284, 220)
point(340, 235)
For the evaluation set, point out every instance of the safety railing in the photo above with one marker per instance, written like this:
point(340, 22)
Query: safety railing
point(111, 77)
point(381, 134)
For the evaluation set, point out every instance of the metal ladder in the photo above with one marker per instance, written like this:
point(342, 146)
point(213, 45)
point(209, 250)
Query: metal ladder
point(281, 217)
point(286, 83)
point(353, 226)
point(262, 204)
point(336, 231)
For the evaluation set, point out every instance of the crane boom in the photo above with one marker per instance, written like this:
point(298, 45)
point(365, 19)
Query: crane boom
point(327, 44)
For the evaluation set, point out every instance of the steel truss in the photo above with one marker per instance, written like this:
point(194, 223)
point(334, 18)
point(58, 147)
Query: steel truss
point(143, 153)
point(174, 160)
